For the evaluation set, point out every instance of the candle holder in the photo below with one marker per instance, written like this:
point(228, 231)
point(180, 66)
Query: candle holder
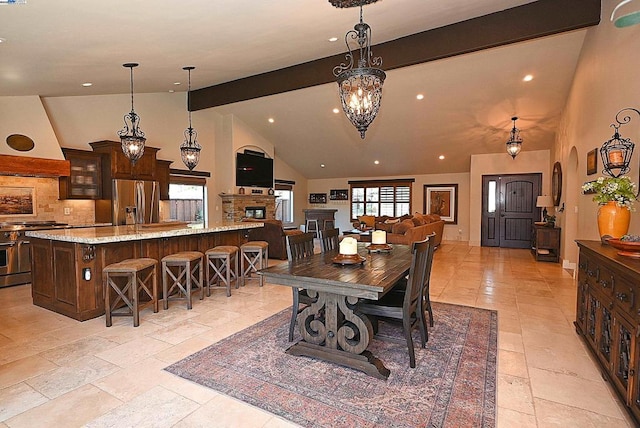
point(616, 153)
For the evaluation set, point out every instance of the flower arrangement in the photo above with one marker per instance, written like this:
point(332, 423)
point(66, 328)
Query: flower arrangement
point(620, 190)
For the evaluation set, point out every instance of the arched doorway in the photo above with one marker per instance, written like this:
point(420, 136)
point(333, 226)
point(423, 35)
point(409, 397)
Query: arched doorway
point(569, 249)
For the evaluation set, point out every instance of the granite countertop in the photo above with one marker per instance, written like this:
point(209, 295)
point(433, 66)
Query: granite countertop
point(109, 234)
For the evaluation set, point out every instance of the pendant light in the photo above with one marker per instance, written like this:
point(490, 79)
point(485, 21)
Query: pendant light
point(360, 87)
point(514, 144)
point(190, 149)
point(131, 136)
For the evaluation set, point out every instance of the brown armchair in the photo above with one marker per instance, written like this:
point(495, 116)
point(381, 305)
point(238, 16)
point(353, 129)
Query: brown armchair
point(274, 234)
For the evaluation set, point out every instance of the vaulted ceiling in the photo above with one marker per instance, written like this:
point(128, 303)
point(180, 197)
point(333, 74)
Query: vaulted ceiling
point(52, 47)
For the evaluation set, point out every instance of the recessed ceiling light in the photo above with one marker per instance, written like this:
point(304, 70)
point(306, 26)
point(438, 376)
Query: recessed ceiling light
point(176, 83)
point(321, 165)
point(333, 39)
point(2, 40)
point(336, 111)
point(527, 78)
point(441, 157)
point(376, 162)
point(87, 84)
point(271, 120)
point(420, 97)
point(171, 91)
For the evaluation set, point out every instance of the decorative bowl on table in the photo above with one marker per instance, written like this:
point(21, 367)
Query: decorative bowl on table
point(627, 248)
point(348, 259)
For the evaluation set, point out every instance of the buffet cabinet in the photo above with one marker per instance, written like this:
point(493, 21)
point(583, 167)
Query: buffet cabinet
point(608, 317)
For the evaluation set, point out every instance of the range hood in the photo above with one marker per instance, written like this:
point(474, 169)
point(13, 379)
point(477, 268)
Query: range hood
point(34, 167)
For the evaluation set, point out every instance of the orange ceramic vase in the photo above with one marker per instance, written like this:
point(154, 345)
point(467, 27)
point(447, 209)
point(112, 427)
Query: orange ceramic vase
point(613, 221)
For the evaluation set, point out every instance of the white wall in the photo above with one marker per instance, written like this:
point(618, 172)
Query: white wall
point(27, 116)
point(606, 81)
point(501, 163)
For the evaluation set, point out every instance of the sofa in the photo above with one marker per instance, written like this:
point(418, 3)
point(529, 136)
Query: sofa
point(409, 229)
point(274, 234)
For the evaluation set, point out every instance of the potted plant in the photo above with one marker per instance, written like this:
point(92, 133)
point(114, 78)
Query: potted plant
point(616, 196)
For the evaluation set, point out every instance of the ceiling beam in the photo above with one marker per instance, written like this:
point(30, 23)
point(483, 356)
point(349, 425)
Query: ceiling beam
point(538, 19)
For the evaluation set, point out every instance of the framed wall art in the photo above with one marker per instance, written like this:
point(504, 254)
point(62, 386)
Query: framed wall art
point(317, 198)
point(592, 162)
point(17, 201)
point(442, 199)
point(339, 194)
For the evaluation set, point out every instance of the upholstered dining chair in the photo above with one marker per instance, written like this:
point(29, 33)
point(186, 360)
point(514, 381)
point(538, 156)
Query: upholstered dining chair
point(299, 247)
point(405, 306)
point(329, 239)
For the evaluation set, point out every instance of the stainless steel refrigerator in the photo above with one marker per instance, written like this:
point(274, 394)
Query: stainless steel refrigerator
point(135, 202)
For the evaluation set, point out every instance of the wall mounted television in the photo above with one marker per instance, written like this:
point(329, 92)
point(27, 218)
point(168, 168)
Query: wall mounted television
point(253, 171)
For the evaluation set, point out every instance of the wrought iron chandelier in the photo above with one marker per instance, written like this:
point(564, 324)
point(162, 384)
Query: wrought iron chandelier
point(190, 149)
point(514, 144)
point(131, 136)
point(616, 152)
point(360, 87)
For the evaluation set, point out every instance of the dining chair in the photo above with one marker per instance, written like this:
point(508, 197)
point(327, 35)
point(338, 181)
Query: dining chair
point(401, 286)
point(298, 247)
point(405, 306)
point(329, 240)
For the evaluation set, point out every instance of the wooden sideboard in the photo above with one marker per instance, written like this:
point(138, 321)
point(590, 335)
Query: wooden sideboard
point(608, 317)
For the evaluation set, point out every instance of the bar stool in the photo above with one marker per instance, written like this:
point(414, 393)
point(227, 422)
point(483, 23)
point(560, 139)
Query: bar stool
point(130, 292)
point(307, 227)
point(187, 263)
point(219, 259)
point(328, 224)
point(256, 255)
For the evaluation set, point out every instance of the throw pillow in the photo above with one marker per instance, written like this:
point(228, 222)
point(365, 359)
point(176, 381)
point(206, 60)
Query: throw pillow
point(368, 220)
point(431, 218)
point(416, 221)
point(384, 226)
point(402, 227)
point(392, 221)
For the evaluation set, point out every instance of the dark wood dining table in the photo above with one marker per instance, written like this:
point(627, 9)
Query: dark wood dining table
point(331, 329)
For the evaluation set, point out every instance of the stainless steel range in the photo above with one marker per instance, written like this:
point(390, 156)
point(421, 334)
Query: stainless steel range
point(15, 250)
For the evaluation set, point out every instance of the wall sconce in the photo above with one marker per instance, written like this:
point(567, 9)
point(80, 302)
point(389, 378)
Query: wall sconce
point(616, 153)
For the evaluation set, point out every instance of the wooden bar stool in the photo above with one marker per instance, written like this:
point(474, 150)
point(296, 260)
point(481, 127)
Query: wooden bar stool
point(256, 256)
point(307, 227)
point(130, 292)
point(187, 264)
point(328, 224)
point(219, 260)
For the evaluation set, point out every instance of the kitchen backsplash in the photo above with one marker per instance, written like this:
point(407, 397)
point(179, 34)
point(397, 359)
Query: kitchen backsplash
point(48, 206)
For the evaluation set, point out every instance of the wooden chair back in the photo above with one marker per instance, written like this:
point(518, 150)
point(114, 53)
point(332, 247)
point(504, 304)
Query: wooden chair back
point(417, 277)
point(299, 246)
point(329, 239)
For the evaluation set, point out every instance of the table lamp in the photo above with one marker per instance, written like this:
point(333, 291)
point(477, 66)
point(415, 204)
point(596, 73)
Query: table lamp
point(543, 202)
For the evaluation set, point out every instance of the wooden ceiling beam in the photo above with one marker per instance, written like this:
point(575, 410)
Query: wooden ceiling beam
point(33, 167)
point(538, 19)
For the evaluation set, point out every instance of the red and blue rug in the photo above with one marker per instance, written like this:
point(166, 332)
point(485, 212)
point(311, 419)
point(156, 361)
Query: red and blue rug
point(453, 384)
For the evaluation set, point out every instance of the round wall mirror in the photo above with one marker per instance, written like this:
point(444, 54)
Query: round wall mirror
point(20, 142)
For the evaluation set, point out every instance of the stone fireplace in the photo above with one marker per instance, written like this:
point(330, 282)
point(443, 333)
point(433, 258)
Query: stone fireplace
point(237, 207)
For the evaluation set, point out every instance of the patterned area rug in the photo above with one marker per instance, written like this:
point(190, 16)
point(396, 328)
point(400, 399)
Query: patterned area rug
point(453, 384)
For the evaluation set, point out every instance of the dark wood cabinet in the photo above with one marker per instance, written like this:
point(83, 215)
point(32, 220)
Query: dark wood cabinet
point(545, 243)
point(85, 180)
point(119, 166)
point(608, 316)
point(163, 176)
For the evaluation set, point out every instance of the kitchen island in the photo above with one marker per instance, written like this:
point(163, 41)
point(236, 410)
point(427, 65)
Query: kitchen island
point(67, 264)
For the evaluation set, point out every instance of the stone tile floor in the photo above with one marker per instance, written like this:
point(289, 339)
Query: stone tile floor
point(57, 372)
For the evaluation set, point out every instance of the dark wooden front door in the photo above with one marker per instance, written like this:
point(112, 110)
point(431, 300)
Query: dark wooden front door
point(509, 209)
